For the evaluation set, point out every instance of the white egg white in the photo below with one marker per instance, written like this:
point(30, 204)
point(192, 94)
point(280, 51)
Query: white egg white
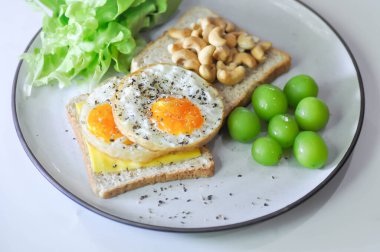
point(135, 96)
point(117, 148)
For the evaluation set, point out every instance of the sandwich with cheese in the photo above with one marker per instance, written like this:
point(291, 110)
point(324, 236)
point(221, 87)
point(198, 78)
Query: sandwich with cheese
point(145, 128)
point(152, 125)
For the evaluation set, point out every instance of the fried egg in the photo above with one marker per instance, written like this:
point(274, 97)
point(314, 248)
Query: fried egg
point(99, 128)
point(166, 107)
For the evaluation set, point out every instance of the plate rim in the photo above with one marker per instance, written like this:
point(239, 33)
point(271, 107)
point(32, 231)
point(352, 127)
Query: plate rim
point(271, 215)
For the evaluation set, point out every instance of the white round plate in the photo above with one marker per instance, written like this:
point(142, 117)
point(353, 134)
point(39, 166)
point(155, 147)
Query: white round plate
point(241, 192)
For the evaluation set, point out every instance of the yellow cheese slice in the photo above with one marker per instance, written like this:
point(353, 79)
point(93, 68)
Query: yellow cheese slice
point(103, 163)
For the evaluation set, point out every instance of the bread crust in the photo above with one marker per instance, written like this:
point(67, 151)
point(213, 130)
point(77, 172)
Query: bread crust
point(199, 172)
point(204, 169)
point(73, 118)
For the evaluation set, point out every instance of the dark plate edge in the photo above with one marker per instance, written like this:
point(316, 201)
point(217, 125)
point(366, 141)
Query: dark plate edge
point(84, 204)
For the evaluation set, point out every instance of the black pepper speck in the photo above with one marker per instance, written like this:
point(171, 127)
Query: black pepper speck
point(143, 197)
point(160, 202)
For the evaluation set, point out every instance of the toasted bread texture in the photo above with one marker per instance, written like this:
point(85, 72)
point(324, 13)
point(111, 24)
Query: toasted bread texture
point(277, 62)
point(107, 185)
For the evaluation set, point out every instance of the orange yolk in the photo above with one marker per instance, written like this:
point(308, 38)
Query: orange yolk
point(102, 124)
point(176, 115)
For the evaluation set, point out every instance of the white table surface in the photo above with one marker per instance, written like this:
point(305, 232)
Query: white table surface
point(343, 216)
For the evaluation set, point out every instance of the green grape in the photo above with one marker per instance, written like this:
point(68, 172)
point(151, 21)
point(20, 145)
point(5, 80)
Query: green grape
point(266, 151)
point(312, 114)
point(310, 150)
point(268, 101)
point(284, 129)
point(243, 124)
point(299, 87)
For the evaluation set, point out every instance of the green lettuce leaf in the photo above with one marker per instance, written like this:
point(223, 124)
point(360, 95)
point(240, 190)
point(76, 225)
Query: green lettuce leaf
point(82, 39)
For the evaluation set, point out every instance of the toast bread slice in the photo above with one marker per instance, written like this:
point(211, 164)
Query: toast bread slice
point(107, 185)
point(277, 62)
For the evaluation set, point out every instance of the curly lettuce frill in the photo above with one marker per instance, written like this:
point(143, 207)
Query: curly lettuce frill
point(82, 39)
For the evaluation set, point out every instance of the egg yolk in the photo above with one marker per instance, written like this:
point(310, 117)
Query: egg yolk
point(176, 115)
point(101, 123)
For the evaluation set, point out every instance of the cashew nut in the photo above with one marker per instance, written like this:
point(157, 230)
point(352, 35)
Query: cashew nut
point(197, 33)
point(229, 26)
point(205, 22)
point(187, 59)
point(221, 65)
point(206, 31)
point(195, 26)
point(191, 65)
point(236, 33)
point(216, 37)
point(258, 53)
point(176, 46)
point(266, 45)
point(179, 33)
point(221, 53)
point(229, 75)
point(205, 55)
point(230, 40)
point(239, 49)
point(193, 43)
point(259, 50)
point(226, 25)
point(233, 52)
point(246, 59)
point(245, 41)
point(208, 72)
point(256, 39)
point(218, 21)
